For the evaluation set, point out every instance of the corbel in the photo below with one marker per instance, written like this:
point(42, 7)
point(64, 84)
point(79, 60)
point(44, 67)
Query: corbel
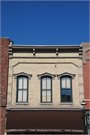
point(56, 51)
point(10, 50)
point(33, 51)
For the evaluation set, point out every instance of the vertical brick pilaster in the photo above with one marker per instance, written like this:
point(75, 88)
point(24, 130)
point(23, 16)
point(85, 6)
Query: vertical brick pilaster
point(86, 79)
point(4, 45)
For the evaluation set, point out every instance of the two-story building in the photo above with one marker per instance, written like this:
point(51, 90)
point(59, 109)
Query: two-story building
point(45, 89)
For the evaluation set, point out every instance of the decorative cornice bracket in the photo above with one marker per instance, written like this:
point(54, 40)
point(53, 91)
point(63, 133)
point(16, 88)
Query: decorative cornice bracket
point(33, 51)
point(56, 51)
point(10, 50)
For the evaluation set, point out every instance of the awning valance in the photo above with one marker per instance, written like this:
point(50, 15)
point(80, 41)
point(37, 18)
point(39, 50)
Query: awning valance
point(48, 120)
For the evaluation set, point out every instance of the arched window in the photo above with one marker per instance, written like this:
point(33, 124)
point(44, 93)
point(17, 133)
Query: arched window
point(22, 86)
point(66, 86)
point(46, 89)
point(66, 89)
point(22, 89)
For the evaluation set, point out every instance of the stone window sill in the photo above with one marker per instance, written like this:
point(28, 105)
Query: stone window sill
point(22, 103)
point(66, 103)
point(46, 103)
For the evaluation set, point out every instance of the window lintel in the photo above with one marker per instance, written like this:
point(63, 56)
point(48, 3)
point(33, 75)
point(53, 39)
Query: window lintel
point(22, 74)
point(66, 74)
point(46, 74)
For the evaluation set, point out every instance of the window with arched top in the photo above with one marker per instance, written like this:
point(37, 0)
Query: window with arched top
point(22, 89)
point(66, 89)
point(66, 86)
point(46, 89)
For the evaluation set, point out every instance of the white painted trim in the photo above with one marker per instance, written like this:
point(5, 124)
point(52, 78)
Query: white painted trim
point(73, 108)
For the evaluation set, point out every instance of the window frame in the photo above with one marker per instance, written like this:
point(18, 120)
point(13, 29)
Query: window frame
point(46, 89)
point(66, 88)
point(22, 90)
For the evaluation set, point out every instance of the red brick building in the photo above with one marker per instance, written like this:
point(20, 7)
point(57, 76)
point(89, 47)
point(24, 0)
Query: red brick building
point(86, 80)
point(4, 45)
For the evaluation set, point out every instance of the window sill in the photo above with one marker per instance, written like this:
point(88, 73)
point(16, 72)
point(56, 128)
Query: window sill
point(46, 103)
point(22, 103)
point(71, 103)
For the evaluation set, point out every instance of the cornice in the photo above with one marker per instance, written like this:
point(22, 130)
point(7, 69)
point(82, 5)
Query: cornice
point(45, 46)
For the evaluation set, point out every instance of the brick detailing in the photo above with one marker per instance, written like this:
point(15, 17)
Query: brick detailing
point(88, 53)
point(4, 70)
point(86, 79)
point(4, 45)
point(2, 120)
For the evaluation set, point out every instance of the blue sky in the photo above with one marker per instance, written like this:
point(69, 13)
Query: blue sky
point(45, 22)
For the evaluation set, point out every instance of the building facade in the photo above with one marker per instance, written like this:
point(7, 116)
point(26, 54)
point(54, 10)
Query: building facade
point(45, 89)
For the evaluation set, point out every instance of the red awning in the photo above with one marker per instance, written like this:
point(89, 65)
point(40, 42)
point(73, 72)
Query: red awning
point(64, 120)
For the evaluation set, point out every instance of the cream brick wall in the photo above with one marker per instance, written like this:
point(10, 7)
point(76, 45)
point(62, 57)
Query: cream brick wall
point(45, 54)
point(68, 55)
point(22, 54)
point(39, 66)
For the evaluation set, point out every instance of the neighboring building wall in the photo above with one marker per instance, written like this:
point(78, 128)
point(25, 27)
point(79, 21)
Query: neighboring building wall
point(86, 79)
point(41, 64)
point(4, 43)
point(86, 73)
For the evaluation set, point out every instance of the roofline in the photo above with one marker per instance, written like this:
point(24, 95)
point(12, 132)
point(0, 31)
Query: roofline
point(45, 46)
point(4, 37)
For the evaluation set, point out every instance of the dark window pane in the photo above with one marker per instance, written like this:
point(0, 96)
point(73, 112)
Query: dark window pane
point(63, 95)
point(68, 92)
point(63, 92)
point(68, 95)
point(68, 98)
